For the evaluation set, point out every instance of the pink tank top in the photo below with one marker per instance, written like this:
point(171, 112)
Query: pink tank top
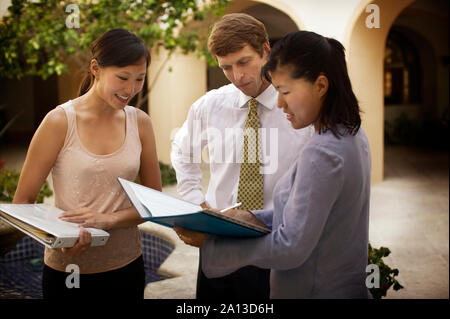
point(83, 179)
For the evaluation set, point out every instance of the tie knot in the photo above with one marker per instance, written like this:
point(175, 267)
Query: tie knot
point(252, 105)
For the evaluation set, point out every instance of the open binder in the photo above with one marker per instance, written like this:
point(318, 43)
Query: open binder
point(41, 222)
point(169, 211)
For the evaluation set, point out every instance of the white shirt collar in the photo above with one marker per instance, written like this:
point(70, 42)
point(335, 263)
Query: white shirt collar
point(268, 98)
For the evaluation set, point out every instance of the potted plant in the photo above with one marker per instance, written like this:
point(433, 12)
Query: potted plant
point(387, 275)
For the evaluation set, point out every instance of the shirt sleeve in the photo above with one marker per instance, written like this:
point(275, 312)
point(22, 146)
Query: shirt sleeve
point(266, 216)
point(187, 147)
point(317, 183)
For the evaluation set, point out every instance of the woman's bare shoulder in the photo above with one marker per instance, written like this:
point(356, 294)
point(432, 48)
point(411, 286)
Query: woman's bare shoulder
point(142, 116)
point(144, 123)
point(55, 120)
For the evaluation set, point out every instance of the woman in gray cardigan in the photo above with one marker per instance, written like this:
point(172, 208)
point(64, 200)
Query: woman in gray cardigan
point(320, 221)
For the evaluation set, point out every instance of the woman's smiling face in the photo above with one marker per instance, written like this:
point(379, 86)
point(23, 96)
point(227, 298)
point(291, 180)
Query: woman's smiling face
point(300, 99)
point(118, 85)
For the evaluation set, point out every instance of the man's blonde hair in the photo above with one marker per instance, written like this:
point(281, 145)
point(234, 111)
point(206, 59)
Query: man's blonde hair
point(233, 31)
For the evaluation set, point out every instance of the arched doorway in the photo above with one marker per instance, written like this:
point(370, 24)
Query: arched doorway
point(365, 56)
point(416, 62)
point(420, 29)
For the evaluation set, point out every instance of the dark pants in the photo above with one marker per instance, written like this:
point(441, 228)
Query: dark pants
point(127, 282)
point(248, 283)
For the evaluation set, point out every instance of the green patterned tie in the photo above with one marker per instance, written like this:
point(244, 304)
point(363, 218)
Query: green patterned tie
point(250, 190)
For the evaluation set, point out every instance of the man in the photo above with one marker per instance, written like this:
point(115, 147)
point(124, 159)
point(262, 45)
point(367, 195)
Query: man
point(250, 143)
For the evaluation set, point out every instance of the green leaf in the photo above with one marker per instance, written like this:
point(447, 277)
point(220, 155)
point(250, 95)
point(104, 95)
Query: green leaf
point(35, 40)
point(387, 275)
point(34, 44)
point(397, 286)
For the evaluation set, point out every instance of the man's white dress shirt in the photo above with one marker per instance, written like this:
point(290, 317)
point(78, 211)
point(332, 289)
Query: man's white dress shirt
point(217, 121)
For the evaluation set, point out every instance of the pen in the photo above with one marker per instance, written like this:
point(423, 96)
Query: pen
point(231, 207)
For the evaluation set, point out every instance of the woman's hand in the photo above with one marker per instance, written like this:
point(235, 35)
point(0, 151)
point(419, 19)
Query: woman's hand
point(245, 216)
point(190, 237)
point(83, 243)
point(87, 217)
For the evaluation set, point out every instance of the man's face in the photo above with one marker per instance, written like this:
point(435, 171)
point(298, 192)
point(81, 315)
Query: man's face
point(243, 69)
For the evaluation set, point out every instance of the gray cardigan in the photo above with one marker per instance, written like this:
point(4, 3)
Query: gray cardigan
point(320, 225)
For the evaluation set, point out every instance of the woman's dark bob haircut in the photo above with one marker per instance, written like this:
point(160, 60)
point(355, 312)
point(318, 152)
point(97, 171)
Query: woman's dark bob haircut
point(309, 55)
point(116, 47)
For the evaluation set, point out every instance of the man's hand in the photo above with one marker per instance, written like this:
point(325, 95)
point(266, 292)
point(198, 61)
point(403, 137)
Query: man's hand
point(190, 237)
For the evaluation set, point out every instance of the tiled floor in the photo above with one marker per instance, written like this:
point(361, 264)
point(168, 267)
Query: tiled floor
point(409, 215)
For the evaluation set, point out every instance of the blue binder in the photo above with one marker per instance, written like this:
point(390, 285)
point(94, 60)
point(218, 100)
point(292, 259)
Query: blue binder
point(169, 211)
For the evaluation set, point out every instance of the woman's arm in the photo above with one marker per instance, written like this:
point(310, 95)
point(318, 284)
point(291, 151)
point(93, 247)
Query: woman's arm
point(44, 148)
point(149, 172)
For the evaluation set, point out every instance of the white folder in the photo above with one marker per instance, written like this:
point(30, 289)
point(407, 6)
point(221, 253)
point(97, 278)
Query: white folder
point(41, 222)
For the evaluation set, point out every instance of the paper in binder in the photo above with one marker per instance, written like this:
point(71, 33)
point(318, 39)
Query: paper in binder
point(41, 222)
point(167, 210)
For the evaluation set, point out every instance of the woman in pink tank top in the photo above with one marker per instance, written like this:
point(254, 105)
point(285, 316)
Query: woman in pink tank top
point(87, 143)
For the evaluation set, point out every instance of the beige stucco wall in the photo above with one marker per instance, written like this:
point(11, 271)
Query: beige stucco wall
point(4, 4)
point(172, 95)
point(365, 63)
point(285, 6)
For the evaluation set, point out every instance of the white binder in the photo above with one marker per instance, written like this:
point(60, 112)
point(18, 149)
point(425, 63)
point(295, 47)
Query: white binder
point(41, 222)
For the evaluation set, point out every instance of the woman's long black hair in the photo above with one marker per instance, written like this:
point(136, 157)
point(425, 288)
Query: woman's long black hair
point(310, 55)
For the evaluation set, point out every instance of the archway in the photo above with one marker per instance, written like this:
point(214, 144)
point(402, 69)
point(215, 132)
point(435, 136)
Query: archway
point(420, 34)
point(410, 83)
point(420, 23)
point(365, 55)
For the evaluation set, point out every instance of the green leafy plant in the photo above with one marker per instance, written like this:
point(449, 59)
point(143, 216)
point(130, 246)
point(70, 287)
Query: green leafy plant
point(387, 275)
point(40, 37)
point(8, 184)
point(430, 133)
point(9, 236)
point(168, 175)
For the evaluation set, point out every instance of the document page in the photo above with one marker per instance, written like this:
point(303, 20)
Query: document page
point(45, 217)
point(42, 216)
point(160, 204)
